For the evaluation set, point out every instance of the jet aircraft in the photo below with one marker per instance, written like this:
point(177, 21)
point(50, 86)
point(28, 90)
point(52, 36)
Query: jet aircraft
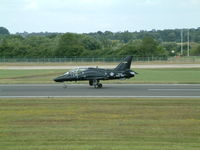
point(94, 75)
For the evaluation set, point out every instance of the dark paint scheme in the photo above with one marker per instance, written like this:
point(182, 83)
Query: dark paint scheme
point(94, 75)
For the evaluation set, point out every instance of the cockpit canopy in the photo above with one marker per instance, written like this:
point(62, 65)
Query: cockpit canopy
point(75, 71)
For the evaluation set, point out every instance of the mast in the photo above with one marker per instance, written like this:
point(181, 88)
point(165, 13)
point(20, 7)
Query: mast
point(181, 42)
point(188, 43)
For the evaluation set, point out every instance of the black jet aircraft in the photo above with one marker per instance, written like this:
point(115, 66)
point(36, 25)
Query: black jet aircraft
point(94, 75)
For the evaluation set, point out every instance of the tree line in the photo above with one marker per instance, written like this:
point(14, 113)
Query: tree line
point(98, 44)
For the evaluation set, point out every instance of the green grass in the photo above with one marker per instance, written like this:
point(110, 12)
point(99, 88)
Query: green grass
point(29, 76)
point(99, 124)
point(177, 75)
point(172, 75)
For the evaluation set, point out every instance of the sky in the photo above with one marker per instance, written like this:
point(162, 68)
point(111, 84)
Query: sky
point(84, 16)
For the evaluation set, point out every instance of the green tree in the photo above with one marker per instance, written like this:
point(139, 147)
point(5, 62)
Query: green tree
point(4, 31)
point(40, 46)
point(196, 51)
point(151, 47)
point(69, 45)
point(170, 46)
point(90, 43)
point(13, 46)
point(131, 48)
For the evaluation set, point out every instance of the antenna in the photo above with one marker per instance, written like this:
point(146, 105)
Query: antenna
point(181, 42)
point(188, 44)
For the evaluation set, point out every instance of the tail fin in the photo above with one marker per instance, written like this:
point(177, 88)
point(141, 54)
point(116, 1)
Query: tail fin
point(125, 64)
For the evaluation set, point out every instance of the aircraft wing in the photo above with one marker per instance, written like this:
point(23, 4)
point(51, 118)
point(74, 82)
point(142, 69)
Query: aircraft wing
point(97, 78)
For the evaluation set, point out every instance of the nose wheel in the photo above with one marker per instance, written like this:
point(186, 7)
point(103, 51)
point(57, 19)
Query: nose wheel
point(64, 85)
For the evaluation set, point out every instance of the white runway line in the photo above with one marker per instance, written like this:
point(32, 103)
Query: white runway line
point(117, 84)
point(174, 89)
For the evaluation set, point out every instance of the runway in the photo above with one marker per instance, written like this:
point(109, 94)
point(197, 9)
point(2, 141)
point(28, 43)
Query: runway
point(108, 90)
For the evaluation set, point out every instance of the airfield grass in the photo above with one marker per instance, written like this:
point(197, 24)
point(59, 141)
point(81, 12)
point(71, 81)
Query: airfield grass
point(169, 75)
point(99, 124)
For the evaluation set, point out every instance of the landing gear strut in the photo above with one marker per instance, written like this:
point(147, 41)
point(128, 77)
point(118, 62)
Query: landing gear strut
point(95, 83)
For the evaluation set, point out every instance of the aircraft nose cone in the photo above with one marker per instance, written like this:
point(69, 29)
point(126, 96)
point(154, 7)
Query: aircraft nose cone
point(56, 80)
point(59, 79)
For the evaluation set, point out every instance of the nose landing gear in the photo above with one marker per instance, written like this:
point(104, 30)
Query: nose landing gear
point(64, 85)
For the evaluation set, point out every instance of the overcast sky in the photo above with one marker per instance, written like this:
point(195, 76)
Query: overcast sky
point(98, 15)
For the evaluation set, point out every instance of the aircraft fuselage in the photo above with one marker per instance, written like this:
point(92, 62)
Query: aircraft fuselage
point(94, 75)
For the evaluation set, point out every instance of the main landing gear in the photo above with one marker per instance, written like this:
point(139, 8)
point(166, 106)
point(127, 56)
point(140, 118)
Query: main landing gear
point(95, 83)
point(99, 85)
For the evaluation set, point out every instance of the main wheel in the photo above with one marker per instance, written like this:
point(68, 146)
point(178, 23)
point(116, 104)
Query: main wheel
point(91, 82)
point(99, 85)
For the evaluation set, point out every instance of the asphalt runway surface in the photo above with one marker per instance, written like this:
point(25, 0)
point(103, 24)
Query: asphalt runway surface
point(108, 90)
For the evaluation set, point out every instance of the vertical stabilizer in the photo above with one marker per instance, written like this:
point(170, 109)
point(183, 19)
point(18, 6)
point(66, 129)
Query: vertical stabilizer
point(125, 64)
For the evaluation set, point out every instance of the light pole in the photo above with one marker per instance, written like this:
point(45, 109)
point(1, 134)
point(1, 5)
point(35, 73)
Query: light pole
point(188, 44)
point(181, 42)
